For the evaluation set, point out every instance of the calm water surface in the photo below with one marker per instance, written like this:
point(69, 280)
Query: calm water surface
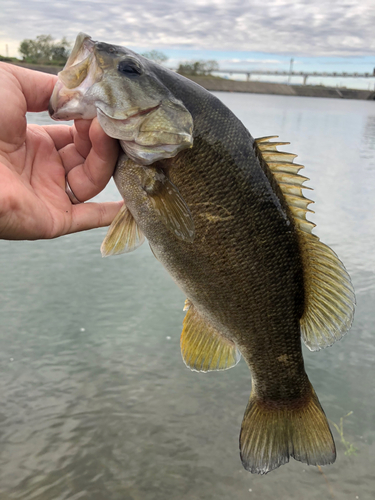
point(96, 402)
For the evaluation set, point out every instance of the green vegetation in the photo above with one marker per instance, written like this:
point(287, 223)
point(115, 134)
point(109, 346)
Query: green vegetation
point(350, 449)
point(156, 56)
point(44, 50)
point(198, 68)
point(8, 59)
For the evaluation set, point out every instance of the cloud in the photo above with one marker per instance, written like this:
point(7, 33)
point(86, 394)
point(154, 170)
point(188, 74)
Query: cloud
point(306, 27)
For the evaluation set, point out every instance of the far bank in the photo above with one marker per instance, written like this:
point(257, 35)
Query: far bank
point(224, 85)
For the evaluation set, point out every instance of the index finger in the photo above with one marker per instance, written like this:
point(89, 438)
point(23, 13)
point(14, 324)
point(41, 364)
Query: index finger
point(36, 86)
point(21, 90)
point(88, 178)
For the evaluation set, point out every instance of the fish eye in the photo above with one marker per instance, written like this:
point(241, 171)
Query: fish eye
point(129, 68)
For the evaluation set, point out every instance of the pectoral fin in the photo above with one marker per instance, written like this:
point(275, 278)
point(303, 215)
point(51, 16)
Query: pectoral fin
point(169, 204)
point(123, 235)
point(203, 348)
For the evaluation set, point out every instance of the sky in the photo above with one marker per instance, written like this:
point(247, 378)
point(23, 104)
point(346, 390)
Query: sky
point(320, 35)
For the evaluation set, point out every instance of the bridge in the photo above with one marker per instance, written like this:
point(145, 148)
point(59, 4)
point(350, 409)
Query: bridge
point(305, 75)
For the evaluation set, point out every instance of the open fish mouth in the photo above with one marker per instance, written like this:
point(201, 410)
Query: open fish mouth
point(81, 57)
point(81, 71)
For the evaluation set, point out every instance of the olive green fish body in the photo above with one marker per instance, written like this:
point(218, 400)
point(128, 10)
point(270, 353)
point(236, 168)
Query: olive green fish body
point(226, 216)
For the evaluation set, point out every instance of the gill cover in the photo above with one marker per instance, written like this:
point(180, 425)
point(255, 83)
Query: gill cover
point(124, 91)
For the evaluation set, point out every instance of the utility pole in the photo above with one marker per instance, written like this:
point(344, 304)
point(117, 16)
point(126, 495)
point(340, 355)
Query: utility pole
point(6, 50)
point(290, 70)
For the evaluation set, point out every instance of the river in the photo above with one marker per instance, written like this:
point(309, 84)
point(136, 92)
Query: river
point(96, 402)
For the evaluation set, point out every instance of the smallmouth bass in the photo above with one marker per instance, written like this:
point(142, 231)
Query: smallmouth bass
point(226, 215)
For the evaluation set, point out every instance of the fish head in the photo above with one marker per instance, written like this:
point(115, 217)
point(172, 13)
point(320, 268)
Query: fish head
point(123, 90)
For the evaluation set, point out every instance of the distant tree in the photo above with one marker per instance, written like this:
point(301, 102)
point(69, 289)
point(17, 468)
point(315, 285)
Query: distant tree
point(211, 66)
point(61, 51)
point(198, 68)
point(191, 68)
point(156, 56)
point(44, 50)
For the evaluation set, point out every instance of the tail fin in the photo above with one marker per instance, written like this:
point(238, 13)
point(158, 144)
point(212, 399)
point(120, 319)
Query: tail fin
point(270, 435)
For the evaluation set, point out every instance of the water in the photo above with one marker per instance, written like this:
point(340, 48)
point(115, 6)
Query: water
point(95, 399)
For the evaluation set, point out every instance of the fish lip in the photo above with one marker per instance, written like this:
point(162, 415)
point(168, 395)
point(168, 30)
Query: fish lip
point(58, 104)
point(130, 116)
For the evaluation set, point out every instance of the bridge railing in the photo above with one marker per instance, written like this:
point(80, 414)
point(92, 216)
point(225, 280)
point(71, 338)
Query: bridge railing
point(304, 74)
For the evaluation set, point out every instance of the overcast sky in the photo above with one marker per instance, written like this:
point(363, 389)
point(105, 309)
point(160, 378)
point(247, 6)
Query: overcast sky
point(253, 33)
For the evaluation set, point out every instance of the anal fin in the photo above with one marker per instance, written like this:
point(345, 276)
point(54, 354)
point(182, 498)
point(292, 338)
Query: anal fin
point(203, 348)
point(123, 235)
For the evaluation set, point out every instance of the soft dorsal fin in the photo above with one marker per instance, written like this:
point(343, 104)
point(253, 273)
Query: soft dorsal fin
point(330, 299)
point(329, 293)
point(203, 348)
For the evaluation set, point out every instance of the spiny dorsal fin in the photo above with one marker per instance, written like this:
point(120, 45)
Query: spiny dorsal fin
point(203, 348)
point(290, 182)
point(285, 166)
point(265, 139)
point(123, 235)
point(329, 293)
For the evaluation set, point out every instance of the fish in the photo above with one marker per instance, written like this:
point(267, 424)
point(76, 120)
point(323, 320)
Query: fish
point(226, 215)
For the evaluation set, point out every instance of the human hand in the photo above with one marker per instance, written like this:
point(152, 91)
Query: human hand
point(34, 161)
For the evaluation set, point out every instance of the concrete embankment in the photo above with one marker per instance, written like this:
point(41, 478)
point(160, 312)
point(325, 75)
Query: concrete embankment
point(224, 85)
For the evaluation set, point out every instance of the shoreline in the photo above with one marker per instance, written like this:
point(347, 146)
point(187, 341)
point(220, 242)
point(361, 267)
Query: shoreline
point(225, 85)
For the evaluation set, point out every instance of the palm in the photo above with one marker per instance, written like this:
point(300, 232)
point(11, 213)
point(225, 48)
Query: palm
point(36, 176)
point(34, 161)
